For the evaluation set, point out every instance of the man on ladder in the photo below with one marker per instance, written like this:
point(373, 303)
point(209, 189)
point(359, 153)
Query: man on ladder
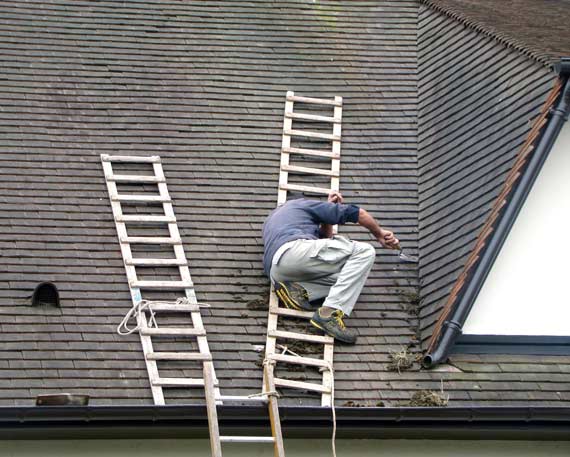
point(306, 262)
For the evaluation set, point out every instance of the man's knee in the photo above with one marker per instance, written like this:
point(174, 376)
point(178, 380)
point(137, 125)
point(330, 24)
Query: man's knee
point(366, 250)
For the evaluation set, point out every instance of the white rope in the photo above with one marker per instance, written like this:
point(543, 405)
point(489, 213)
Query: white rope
point(141, 306)
point(269, 393)
point(329, 367)
point(138, 308)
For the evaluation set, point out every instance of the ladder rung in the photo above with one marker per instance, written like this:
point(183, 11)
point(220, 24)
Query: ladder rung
point(299, 360)
point(146, 218)
point(132, 159)
point(178, 356)
point(169, 331)
point(301, 337)
point(280, 382)
point(311, 117)
point(134, 178)
point(291, 312)
point(326, 136)
point(175, 308)
point(319, 101)
point(141, 198)
point(312, 152)
point(308, 170)
point(157, 262)
point(150, 240)
point(297, 187)
point(178, 382)
point(162, 284)
point(247, 439)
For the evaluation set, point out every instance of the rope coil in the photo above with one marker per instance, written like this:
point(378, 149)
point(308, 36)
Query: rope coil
point(139, 308)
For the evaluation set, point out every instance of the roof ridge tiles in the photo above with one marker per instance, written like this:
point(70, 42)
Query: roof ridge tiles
point(541, 57)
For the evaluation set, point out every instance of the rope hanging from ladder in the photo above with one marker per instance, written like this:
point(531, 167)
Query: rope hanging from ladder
point(140, 307)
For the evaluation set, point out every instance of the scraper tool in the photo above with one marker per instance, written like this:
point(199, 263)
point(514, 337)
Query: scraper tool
point(404, 257)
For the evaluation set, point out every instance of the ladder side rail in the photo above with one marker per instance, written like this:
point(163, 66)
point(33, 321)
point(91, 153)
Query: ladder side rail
point(151, 365)
point(328, 355)
point(210, 394)
point(335, 162)
point(274, 419)
point(272, 319)
point(281, 199)
point(285, 144)
point(271, 341)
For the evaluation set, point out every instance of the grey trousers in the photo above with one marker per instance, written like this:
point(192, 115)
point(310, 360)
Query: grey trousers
point(334, 268)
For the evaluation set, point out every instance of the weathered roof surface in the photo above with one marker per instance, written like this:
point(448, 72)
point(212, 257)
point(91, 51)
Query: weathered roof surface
point(202, 84)
point(536, 27)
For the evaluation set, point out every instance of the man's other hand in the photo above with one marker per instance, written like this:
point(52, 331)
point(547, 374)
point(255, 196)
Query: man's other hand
point(388, 240)
point(335, 197)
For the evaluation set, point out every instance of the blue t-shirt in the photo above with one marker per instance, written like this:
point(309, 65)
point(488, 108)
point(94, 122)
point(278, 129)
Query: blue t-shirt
point(300, 219)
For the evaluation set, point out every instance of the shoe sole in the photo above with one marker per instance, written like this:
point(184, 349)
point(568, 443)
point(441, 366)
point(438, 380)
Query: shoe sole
point(329, 334)
point(288, 301)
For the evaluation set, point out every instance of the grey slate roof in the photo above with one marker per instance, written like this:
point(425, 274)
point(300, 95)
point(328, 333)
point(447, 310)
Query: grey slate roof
point(202, 84)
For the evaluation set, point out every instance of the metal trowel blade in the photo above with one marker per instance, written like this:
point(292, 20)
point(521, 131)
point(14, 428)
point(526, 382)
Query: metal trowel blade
point(407, 258)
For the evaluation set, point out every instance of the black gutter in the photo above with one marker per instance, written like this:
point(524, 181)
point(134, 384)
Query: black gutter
point(189, 421)
point(452, 328)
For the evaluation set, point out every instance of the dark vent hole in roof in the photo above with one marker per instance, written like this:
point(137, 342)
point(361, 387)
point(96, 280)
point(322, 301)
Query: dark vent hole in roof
point(45, 294)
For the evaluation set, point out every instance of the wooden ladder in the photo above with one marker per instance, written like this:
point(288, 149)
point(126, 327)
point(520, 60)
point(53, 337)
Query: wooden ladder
point(188, 304)
point(275, 311)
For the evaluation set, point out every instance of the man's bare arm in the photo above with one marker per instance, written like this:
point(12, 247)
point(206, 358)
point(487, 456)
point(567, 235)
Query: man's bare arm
point(385, 237)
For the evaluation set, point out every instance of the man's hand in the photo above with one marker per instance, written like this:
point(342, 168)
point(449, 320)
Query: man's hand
point(335, 197)
point(388, 240)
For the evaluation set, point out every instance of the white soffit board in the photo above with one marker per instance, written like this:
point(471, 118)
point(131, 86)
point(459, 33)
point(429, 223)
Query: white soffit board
point(527, 291)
